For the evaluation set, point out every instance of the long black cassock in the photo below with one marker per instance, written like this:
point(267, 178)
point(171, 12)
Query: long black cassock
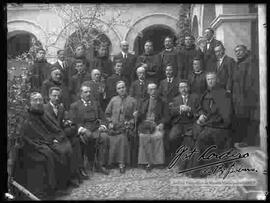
point(40, 155)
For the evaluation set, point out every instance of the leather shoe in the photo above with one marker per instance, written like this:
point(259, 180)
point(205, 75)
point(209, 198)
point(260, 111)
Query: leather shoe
point(122, 169)
point(83, 174)
point(103, 170)
point(74, 183)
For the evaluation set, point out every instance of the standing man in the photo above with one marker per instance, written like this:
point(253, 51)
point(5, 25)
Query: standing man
point(128, 61)
point(189, 52)
point(245, 97)
point(224, 68)
point(170, 56)
point(152, 116)
point(39, 71)
point(119, 114)
point(168, 88)
point(208, 51)
point(64, 66)
point(87, 114)
point(79, 55)
point(149, 61)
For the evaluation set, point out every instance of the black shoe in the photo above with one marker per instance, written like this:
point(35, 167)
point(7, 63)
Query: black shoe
point(74, 183)
point(83, 174)
point(122, 169)
point(148, 168)
point(103, 170)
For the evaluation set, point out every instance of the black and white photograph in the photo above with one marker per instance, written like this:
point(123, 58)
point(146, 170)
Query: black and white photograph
point(136, 101)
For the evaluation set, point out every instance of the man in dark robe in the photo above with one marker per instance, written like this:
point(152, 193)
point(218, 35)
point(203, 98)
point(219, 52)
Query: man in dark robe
point(39, 71)
point(197, 78)
point(119, 114)
point(170, 56)
point(138, 88)
point(213, 126)
point(87, 114)
point(55, 80)
point(189, 52)
point(245, 97)
point(168, 88)
point(58, 114)
point(152, 117)
point(64, 66)
point(183, 115)
point(45, 153)
point(209, 59)
point(110, 87)
point(76, 80)
point(128, 61)
point(224, 68)
point(148, 60)
point(102, 62)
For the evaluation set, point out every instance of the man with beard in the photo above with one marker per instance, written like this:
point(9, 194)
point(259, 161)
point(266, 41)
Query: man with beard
point(152, 116)
point(224, 68)
point(76, 80)
point(245, 97)
point(119, 114)
point(197, 78)
point(213, 126)
point(39, 71)
point(148, 60)
point(208, 51)
point(55, 80)
point(183, 114)
point(170, 56)
point(56, 112)
point(87, 114)
point(63, 65)
point(103, 62)
point(128, 61)
point(46, 150)
point(189, 52)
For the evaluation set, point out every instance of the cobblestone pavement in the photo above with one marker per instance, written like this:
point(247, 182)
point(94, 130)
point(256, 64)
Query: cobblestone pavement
point(138, 184)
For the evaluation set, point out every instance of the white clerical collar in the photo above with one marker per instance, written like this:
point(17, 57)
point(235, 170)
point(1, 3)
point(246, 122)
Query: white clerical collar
point(170, 49)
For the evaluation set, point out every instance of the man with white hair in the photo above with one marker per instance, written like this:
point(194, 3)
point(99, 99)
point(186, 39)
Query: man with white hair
point(128, 61)
point(213, 125)
point(119, 114)
point(152, 116)
point(138, 88)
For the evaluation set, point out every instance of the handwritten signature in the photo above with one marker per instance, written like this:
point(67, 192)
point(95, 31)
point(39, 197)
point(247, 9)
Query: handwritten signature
point(185, 153)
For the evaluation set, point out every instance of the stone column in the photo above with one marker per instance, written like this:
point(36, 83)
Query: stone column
point(263, 74)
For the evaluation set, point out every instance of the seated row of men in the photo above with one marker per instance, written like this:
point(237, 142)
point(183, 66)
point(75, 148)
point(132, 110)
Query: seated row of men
point(59, 140)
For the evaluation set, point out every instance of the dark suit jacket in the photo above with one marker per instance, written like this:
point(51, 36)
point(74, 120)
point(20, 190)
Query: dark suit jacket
point(137, 91)
point(57, 119)
point(225, 71)
point(209, 55)
point(193, 103)
point(197, 83)
point(128, 65)
point(166, 92)
point(90, 117)
point(161, 111)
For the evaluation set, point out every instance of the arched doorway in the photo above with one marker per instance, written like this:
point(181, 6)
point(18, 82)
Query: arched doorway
point(154, 33)
point(18, 42)
point(91, 39)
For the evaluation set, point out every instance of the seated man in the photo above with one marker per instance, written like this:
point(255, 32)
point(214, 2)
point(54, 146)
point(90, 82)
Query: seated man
point(214, 121)
point(57, 114)
point(87, 114)
point(46, 150)
point(152, 116)
point(182, 118)
point(119, 113)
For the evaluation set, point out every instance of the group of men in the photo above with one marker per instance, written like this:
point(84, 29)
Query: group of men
point(136, 110)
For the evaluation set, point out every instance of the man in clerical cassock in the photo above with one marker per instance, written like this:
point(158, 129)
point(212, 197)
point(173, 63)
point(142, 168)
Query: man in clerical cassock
point(148, 60)
point(45, 152)
point(58, 114)
point(87, 114)
point(119, 114)
point(213, 125)
point(152, 116)
point(138, 88)
point(183, 115)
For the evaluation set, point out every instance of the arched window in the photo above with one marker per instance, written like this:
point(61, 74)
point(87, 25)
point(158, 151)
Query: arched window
point(209, 14)
point(195, 27)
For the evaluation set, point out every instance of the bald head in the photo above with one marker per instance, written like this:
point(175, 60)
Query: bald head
point(152, 89)
point(124, 46)
point(140, 73)
point(95, 74)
